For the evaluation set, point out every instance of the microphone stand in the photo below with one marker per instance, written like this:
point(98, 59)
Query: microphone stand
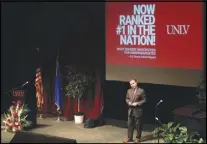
point(41, 113)
point(156, 125)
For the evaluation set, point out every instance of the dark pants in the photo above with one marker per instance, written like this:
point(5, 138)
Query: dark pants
point(137, 123)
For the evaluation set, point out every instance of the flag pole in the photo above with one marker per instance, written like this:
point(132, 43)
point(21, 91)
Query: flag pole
point(41, 105)
point(57, 68)
point(58, 119)
point(41, 117)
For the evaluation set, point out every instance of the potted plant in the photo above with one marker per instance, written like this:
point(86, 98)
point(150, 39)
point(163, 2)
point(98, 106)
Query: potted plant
point(174, 133)
point(77, 84)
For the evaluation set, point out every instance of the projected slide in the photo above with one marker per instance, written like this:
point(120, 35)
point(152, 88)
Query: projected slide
point(155, 34)
point(155, 42)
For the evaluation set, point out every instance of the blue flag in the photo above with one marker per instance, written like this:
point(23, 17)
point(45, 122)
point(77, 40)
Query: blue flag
point(58, 94)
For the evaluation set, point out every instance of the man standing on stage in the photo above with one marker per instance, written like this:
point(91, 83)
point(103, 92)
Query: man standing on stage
point(135, 99)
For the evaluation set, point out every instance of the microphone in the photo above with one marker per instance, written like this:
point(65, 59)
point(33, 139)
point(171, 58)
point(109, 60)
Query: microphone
point(25, 83)
point(159, 102)
point(156, 118)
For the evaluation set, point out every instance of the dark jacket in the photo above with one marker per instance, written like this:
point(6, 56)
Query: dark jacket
point(138, 96)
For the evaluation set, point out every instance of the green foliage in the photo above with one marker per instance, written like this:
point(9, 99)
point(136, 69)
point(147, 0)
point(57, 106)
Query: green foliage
point(23, 117)
point(172, 133)
point(78, 113)
point(77, 83)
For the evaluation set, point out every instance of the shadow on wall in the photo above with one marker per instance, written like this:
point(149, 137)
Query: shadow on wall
point(173, 97)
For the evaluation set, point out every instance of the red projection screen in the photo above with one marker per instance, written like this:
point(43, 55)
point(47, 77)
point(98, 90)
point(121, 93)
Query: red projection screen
point(156, 42)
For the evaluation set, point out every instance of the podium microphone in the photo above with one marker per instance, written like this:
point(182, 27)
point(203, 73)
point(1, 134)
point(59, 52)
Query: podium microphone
point(25, 83)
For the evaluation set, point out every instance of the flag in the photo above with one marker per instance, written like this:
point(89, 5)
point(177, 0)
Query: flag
point(58, 98)
point(39, 88)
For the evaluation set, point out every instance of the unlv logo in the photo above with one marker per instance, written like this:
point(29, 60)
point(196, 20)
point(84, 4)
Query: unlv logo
point(177, 29)
point(18, 93)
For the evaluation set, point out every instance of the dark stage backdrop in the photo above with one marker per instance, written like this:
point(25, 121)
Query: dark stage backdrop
point(76, 29)
point(115, 94)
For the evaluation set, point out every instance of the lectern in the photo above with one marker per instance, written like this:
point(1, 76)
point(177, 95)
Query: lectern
point(26, 94)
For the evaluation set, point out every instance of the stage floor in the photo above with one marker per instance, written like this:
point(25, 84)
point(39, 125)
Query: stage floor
point(67, 129)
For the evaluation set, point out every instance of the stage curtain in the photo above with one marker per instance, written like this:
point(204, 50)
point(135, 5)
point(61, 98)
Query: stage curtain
point(91, 103)
point(98, 102)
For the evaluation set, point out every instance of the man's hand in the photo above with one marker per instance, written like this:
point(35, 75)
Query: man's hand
point(130, 103)
point(135, 103)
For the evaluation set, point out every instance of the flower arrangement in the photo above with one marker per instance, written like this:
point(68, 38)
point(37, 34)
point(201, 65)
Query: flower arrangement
point(15, 119)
